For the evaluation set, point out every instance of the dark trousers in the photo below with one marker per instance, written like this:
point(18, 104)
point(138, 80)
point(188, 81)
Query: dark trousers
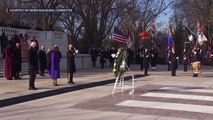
point(93, 63)
point(173, 72)
point(169, 66)
point(145, 71)
point(195, 75)
point(111, 64)
point(42, 71)
point(102, 65)
point(185, 67)
point(32, 80)
point(16, 74)
point(70, 77)
point(141, 63)
point(2, 50)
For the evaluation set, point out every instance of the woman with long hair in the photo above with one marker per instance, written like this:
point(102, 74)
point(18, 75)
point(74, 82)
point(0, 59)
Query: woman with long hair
point(55, 65)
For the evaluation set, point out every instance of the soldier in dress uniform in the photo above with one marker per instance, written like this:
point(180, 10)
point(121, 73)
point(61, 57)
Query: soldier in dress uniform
point(141, 58)
point(154, 54)
point(146, 61)
point(168, 62)
point(173, 58)
point(129, 56)
point(102, 58)
point(196, 57)
point(185, 60)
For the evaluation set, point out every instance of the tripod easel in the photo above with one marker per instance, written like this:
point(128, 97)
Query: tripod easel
point(120, 79)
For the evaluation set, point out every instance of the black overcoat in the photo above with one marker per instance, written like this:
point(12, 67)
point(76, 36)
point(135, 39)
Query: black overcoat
point(33, 60)
point(71, 61)
point(17, 59)
point(42, 59)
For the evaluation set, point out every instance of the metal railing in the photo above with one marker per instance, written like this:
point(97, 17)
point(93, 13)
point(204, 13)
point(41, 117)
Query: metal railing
point(82, 61)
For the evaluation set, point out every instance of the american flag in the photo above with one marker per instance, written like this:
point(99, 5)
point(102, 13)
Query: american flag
point(119, 36)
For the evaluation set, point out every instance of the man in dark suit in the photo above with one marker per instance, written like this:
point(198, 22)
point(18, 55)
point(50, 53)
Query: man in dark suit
point(33, 63)
point(17, 61)
point(42, 60)
point(71, 63)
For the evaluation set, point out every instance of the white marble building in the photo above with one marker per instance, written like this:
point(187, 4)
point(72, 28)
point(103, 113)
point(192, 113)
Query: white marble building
point(47, 38)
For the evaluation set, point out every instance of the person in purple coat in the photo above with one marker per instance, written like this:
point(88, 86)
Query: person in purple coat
point(55, 65)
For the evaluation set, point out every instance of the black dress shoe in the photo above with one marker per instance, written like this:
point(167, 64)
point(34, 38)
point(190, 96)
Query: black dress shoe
point(32, 88)
point(71, 83)
point(195, 75)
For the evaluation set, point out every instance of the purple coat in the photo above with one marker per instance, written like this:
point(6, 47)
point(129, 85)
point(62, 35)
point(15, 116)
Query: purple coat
point(55, 65)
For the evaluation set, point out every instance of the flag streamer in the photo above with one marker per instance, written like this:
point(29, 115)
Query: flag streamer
point(170, 40)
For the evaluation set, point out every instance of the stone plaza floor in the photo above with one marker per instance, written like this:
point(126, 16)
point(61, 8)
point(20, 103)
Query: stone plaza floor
point(158, 96)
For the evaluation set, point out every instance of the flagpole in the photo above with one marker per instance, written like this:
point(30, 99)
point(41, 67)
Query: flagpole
point(6, 9)
point(191, 31)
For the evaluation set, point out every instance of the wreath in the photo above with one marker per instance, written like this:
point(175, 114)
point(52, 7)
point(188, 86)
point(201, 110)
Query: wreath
point(120, 63)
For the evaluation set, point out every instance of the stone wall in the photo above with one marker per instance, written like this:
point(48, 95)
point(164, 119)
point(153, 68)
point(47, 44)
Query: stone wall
point(47, 38)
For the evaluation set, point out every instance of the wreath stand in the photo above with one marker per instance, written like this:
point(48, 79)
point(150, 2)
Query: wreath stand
point(119, 83)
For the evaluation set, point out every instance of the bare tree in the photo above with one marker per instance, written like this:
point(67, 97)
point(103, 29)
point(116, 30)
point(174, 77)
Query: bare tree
point(193, 10)
point(142, 12)
point(9, 18)
point(71, 23)
point(98, 18)
point(45, 20)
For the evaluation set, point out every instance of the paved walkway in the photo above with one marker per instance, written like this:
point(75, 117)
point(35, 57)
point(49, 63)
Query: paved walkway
point(157, 97)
